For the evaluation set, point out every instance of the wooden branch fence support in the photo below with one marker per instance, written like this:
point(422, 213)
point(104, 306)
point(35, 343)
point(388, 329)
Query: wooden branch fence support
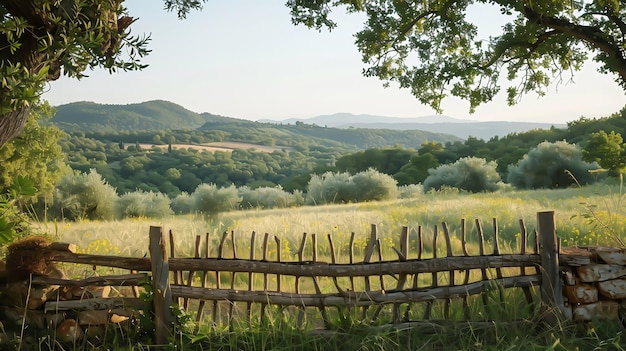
point(164, 318)
point(551, 284)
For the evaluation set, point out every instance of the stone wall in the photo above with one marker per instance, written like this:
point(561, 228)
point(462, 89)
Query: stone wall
point(596, 290)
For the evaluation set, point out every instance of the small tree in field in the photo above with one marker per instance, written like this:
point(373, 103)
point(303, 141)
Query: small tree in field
point(469, 173)
point(85, 196)
point(208, 199)
point(551, 165)
point(330, 188)
point(608, 150)
point(143, 204)
point(269, 197)
point(372, 185)
point(369, 185)
point(183, 203)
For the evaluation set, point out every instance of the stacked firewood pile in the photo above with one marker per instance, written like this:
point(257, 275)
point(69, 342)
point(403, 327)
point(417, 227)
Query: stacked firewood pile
point(37, 296)
point(596, 290)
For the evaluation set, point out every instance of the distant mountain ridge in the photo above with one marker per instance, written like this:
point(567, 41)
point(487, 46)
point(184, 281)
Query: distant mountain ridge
point(162, 115)
point(348, 119)
point(462, 128)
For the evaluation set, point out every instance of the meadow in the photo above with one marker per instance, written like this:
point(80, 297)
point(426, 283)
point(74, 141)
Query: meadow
point(591, 215)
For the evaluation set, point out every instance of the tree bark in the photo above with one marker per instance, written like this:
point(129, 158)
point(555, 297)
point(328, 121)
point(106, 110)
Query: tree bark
point(11, 124)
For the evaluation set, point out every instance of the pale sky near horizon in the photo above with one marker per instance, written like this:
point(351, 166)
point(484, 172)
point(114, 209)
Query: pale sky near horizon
point(245, 59)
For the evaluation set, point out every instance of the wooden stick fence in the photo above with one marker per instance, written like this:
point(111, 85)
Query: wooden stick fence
point(407, 288)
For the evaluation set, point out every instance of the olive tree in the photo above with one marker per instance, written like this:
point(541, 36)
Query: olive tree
point(209, 200)
point(342, 187)
point(84, 196)
point(472, 174)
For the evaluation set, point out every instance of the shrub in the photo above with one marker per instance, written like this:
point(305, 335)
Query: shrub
point(143, 204)
point(545, 167)
point(269, 197)
point(210, 200)
point(410, 191)
point(330, 187)
point(84, 196)
point(468, 173)
point(182, 203)
point(369, 185)
point(372, 185)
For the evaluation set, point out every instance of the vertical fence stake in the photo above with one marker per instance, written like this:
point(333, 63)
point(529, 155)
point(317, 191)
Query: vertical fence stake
point(164, 318)
point(481, 252)
point(551, 286)
point(446, 234)
point(524, 238)
point(204, 275)
point(496, 252)
point(466, 309)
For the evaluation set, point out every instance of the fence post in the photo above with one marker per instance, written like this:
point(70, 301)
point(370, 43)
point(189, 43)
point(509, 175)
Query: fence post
point(551, 285)
point(164, 318)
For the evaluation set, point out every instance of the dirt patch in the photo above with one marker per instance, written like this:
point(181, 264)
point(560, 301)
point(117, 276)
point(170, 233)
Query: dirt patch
point(225, 146)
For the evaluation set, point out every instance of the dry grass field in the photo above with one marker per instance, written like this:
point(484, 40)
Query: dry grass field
point(226, 146)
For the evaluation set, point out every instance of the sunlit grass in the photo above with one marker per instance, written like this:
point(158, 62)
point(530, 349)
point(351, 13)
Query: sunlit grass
point(130, 237)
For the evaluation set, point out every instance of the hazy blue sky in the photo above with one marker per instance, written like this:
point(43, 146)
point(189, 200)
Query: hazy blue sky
point(245, 59)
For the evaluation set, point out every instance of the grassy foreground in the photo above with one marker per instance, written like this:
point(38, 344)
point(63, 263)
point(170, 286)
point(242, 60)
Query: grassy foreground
point(584, 216)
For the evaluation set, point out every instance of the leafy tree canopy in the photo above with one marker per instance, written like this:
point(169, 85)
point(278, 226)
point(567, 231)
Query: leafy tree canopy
point(608, 150)
point(433, 48)
point(42, 39)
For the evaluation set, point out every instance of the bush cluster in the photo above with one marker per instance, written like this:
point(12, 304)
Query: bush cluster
point(87, 196)
point(468, 173)
point(549, 165)
point(342, 187)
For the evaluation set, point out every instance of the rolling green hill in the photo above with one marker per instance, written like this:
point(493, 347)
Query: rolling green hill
point(163, 115)
point(151, 115)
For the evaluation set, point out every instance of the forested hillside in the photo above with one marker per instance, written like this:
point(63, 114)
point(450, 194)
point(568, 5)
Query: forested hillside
point(89, 116)
point(171, 160)
point(162, 115)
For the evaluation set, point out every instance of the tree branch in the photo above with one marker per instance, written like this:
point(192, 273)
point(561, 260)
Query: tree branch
point(591, 35)
point(499, 52)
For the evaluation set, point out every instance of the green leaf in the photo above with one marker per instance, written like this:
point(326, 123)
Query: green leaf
point(23, 186)
point(7, 234)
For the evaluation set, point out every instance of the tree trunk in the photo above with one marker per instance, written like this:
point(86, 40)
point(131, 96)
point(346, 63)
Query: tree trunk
point(11, 124)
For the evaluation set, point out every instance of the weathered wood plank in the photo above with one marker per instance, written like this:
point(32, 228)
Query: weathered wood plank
point(310, 269)
point(352, 298)
point(139, 264)
point(59, 246)
point(114, 280)
point(307, 268)
point(95, 304)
